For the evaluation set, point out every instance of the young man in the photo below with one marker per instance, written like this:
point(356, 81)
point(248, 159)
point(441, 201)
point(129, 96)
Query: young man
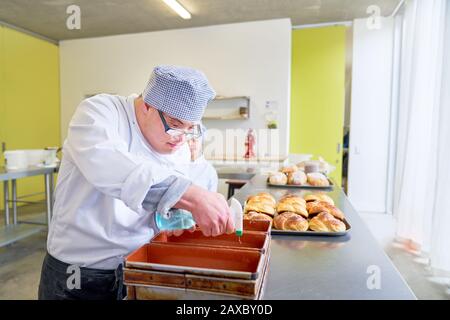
point(124, 159)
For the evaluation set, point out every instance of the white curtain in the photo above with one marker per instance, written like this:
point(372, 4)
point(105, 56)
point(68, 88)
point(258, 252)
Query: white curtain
point(422, 178)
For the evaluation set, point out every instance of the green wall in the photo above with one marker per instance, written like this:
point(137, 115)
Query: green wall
point(29, 98)
point(318, 94)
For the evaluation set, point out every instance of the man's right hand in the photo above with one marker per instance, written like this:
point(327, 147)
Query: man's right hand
point(210, 210)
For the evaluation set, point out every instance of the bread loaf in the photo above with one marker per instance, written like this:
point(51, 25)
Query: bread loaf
point(290, 221)
point(325, 222)
point(319, 197)
point(317, 207)
point(317, 179)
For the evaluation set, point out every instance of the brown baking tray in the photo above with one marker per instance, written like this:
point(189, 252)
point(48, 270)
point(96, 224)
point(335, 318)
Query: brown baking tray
point(191, 282)
point(305, 186)
point(257, 226)
point(206, 261)
point(248, 241)
point(155, 285)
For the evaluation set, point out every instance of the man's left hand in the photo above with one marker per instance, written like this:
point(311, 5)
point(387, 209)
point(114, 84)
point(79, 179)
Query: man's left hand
point(179, 232)
point(195, 146)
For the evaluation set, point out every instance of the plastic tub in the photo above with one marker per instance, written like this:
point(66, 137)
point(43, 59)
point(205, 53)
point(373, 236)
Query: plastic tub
point(35, 156)
point(16, 159)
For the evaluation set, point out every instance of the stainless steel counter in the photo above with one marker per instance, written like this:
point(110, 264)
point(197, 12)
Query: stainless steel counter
point(239, 172)
point(21, 229)
point(347, 267)
point(29, 172)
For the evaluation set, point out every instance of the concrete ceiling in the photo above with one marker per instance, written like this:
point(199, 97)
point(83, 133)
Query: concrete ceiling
point(109, 17)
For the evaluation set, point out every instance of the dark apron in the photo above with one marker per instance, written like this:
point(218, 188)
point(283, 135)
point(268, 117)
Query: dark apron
point(94, 284)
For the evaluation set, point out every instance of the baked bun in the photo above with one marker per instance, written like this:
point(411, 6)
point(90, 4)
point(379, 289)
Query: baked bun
point(292, 197)
point(252, 215)
point(325, 222)
point(263, 196)
point(290, 221)
point(260, 206)
point(297, 178)
point(289, 169)
point(317, 179)
point(293, 204)
point(301, 165)
point(316, 207)
point(278, 178)
point(262, 202)
point(319, 197)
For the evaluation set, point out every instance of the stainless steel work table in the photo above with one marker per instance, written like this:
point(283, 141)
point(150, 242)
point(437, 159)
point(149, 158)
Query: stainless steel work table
point(328, 267)
point(236, 172)
point(17, 230)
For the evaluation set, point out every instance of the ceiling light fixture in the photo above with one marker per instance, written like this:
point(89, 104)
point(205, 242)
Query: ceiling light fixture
point(178, 8)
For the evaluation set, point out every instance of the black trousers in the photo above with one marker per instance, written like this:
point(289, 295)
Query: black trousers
point(62, 281)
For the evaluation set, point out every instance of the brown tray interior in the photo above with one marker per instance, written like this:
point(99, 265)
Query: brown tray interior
point(196, 257)
point(250, 240)
point(256, 225)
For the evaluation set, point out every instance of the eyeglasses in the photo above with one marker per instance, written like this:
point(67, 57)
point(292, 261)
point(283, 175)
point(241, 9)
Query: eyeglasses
point(194, 133)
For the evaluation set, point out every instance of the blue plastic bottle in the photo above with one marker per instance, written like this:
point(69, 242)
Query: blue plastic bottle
point(179, 219)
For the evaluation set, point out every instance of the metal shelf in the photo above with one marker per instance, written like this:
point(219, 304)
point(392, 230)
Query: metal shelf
point(15, 232)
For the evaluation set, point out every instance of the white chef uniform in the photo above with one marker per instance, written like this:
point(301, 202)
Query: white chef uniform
point(106, 172)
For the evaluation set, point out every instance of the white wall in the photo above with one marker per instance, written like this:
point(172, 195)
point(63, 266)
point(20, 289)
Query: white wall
point(251, 59)
point(370, 115)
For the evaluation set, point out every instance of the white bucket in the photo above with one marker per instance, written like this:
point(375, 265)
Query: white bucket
point(16, 159)
point(35, 157)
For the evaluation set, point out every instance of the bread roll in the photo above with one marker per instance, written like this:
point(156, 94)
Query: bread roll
point(317, 179)
point(263, 196)
point(319, 197)
point(290, 221)
point(297, 178)
point(289, 169)
point(289, 197)
point(301, 165)
point(252, 215)
point(278, 178)
point(262, 206)
point(325, 222)
point(293, 204)
point(316, 207)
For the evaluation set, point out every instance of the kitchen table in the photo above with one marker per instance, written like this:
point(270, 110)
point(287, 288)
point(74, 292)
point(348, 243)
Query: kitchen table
point(16, 231)
point(353, 266)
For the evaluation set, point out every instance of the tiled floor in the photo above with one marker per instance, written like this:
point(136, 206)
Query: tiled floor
point(20, 262)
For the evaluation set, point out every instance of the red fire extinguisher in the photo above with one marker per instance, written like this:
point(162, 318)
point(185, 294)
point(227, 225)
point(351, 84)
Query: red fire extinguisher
point(250, 144)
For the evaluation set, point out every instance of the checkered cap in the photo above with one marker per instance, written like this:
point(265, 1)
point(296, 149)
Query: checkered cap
point(181, 92)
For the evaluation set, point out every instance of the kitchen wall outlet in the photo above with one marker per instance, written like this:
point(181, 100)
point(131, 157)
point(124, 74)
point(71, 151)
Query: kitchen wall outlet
point(271, 105)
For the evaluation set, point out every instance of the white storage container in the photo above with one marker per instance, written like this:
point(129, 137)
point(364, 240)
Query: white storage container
point(16, 159)
point(35, 157)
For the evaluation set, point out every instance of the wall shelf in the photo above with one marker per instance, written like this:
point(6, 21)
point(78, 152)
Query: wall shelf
point(228, 108)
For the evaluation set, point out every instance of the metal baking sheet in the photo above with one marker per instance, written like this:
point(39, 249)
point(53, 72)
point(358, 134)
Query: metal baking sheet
point(166, 254)
point(306, 186)
point(312, 233)
point(151, 290)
